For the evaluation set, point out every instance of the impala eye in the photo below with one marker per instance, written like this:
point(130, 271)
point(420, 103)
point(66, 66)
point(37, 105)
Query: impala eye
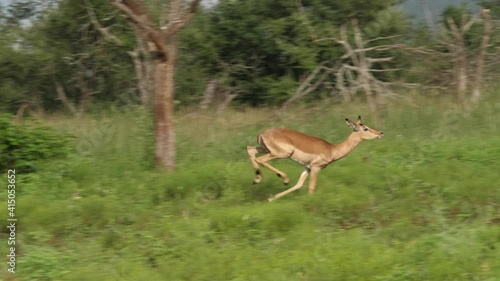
point(366, 129)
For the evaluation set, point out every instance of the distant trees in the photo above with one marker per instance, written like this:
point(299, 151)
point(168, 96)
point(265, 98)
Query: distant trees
point(265, 49)
point(56, 58)
point(467, 37)
point(459, 55)
point(79, 56)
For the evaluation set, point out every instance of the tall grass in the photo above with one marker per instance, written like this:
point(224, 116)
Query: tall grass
point(420, 204)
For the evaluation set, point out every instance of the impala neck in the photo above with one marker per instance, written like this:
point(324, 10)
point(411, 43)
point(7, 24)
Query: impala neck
point(342, 149)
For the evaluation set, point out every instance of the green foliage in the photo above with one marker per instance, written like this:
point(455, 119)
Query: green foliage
point(493, 5)
point(63, 45)
point(265, 49)
point(43, 263)
point(409, 206)
point(22, 146)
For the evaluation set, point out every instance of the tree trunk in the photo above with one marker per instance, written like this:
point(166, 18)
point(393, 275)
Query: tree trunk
point(84, 97)
point(461, 69)
point(209, 96)
point(61, 95)
point(476, 92)
point(144, 69)
point(164, 107)
point(162, 42)
point(459, 51)
point(364, 72)
point(162, 125)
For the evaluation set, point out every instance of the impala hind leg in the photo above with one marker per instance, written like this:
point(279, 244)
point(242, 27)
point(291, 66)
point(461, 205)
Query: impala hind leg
point(262, 160)
point(252, 151)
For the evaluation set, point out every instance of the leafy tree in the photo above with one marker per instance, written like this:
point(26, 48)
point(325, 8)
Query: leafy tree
point(80, 56)
point(265, 48)
point(49, 44)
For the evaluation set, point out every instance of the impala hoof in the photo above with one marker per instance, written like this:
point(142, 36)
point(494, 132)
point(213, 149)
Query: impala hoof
point(270, 199)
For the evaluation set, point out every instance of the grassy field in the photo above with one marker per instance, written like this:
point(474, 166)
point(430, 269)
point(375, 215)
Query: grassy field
point(422, 203)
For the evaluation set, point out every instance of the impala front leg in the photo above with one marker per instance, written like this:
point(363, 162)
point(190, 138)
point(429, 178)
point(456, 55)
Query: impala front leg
point(313, 179)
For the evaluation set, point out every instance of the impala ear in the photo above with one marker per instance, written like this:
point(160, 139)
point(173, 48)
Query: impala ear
point(350, 124)
point(359, 120)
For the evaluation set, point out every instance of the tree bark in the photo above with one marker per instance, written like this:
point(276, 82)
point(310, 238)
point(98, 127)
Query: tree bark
point(162, 124)
point(164, 106)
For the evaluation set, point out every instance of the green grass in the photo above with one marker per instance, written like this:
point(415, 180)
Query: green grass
point(422, 203)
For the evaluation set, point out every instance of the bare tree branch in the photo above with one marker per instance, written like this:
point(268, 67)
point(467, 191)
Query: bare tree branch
point(359, 69)
point(306, 87)
point(182, 17)
point(344, 42)
point(136, 12)
point(61, 95)
point(383, 38)
point(467, 25)
point(372, 60)
point(104, 31)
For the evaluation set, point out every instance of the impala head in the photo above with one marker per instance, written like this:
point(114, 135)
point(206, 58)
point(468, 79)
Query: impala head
point(364, 131)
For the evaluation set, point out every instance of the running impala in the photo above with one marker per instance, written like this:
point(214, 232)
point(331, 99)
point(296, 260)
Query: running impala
point(312, 152)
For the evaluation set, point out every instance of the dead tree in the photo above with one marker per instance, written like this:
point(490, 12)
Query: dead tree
point(457, 47)
point(162, 43)
point(476, 91)
point(357, 73)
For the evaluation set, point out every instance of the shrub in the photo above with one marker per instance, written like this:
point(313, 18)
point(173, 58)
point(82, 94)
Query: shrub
point(43, 263)
point(21, 146)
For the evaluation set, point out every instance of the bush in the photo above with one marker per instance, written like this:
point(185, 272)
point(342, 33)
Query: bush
point(21, 146)
point(43, 263)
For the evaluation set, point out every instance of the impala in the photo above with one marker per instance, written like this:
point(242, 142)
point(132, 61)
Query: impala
point(312, 152)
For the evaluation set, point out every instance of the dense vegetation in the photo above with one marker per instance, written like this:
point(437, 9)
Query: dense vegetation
point(422, 203)
point(261, 50)
point(419, 204)
point(22, 146)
